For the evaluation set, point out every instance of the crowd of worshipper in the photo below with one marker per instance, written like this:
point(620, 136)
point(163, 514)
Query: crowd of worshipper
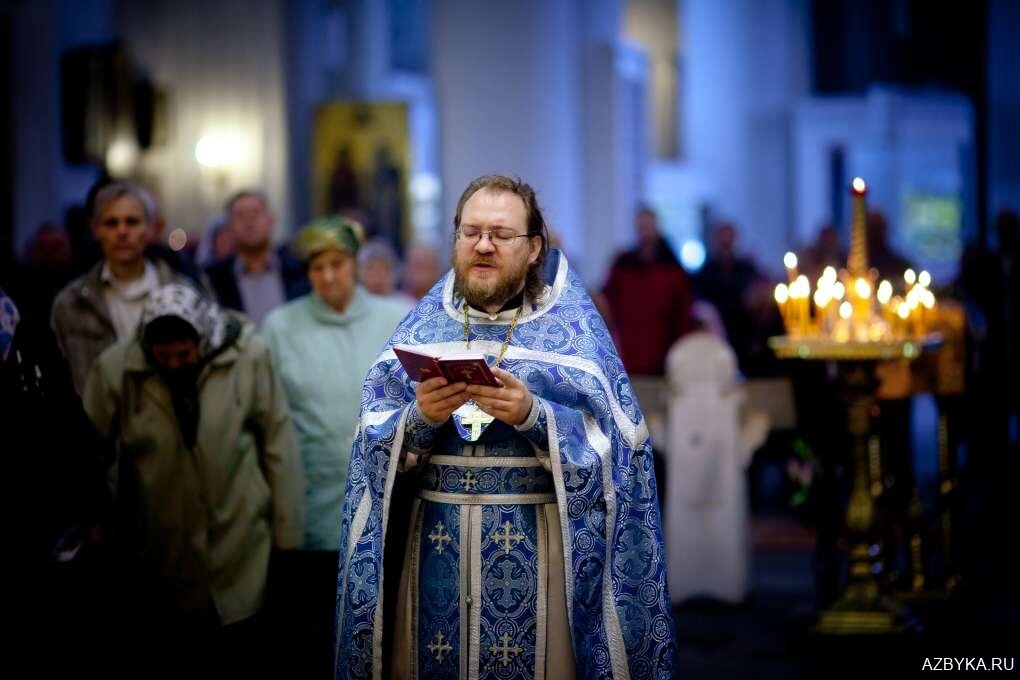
point(194, 410)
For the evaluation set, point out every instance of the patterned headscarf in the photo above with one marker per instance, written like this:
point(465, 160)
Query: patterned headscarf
point(329, 233)
point(215, 328)
point(9, 318)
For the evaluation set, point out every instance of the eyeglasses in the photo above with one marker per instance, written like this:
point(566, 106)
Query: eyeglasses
point(500, 236)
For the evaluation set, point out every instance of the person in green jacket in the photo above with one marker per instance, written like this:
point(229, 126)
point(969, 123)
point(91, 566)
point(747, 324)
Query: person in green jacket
point(322, 345)
point(207, 479)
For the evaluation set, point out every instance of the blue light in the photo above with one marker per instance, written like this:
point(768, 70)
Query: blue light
point(692, 255)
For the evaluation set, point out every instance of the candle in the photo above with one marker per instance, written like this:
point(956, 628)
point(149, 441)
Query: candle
point(782, 295)
point(790, 260)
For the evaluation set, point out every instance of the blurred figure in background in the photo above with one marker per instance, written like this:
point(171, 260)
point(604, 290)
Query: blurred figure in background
point(104, 305)
point(322, 345)
point(707, 520)
point(46, 267)
point(259, 277)
point(422, 268)
point(216, 243)
point(55, 454)
point(881, 256)
point(207, 481)
point(826, 252)
point(649, 298)
point(377, 267)
point(724, 281)
point(991, 283)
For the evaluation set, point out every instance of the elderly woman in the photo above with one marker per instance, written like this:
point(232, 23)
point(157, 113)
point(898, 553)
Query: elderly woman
point(207, 475)
point(323, 344)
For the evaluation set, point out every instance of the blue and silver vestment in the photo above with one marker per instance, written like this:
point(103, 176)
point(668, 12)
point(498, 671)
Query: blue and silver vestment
point(480, 559)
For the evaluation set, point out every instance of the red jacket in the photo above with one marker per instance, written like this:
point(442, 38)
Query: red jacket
point(650, 303)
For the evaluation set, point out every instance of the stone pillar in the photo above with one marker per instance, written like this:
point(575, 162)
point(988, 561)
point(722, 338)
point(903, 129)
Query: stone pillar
point(745, 67)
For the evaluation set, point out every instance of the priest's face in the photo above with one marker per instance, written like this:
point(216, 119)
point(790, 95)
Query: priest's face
point(490, 268)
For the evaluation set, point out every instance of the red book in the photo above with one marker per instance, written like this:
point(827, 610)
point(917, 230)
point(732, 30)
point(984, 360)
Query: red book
point(463, 367)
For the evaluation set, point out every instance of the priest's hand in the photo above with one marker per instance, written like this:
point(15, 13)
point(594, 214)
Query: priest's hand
point(511, 402)
point(437, 399)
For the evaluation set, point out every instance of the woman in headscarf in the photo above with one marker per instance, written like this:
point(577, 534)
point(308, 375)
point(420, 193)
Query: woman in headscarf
point(322, 345)
point(207, 476)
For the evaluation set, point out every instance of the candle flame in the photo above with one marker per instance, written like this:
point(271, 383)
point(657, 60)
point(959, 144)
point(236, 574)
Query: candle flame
point(822, 297)
point(782, 293)
point(838, 290)
point(884, 292)
point(790, 260)
point(863, 288)
point(859, 186)
point(829, 274)
point(910, 277)
point(903, 311)
point(845, 310)
point(924, 278)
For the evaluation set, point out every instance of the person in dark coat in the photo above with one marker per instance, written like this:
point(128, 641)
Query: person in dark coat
point(259, 277)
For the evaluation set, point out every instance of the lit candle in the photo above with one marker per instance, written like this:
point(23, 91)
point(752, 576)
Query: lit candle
point(903, 312)
point(790, 260)
point(862, 299)
point(803, 303)
point(822, 298)
point(884, 293)
point(782, 295)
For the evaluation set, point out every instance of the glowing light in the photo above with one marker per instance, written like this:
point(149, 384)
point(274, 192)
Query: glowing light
point(862, 288)
point(829, 274)
point(790, 260)
point(910, 277)
point(859, 186)
point(884, 293)
point(903, 311)
point(822, 297)
point(928, 299)
point(845, 310)
point(924, 278)
point(692, 255)
point(782, 293)
point(121, 157)
point(800, 288)
point(178, 238)
point(220, 150)
point(838, 290)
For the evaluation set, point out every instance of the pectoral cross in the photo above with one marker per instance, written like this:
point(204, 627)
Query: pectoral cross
point(506, 650)
point(476, 419)
point(440, 537)
point(439, 648)
point(508, 538)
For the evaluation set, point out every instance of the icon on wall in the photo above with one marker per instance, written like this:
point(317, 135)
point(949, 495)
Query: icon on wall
point(360, 166)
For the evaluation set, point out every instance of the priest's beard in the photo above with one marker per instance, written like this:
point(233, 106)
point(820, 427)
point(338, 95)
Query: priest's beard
point(493, 292)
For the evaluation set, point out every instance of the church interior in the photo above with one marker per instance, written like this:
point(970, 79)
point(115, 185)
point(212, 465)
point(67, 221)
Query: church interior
point(835, 421)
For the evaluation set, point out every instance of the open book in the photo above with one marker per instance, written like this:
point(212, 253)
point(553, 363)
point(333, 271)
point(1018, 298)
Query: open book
point(466, 367)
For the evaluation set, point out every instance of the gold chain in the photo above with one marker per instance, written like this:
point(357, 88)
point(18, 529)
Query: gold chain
point(506, 341)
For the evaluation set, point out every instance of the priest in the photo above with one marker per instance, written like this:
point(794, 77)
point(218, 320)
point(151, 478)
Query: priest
point(509, 531)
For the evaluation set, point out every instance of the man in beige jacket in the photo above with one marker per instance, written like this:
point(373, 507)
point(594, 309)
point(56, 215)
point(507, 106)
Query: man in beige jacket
point(102, 306)
point(207, 478)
